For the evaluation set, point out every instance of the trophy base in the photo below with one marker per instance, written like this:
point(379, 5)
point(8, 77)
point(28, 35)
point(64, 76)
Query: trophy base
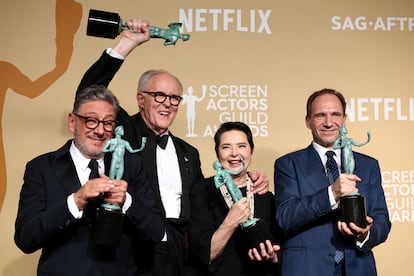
point(256, 233)
point(107, 229)
point(103, 24)
point(353, 209)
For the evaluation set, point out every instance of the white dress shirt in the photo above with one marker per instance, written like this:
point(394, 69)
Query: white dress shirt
point(83, 171)
point(169, 180)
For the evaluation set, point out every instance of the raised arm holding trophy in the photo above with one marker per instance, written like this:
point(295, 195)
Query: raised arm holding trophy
point(158, 97)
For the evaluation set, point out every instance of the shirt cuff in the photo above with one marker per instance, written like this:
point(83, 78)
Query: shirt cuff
point(127, 203)
point(361, 244)
point(334, 204)
point(114, 54)
point(73, 209)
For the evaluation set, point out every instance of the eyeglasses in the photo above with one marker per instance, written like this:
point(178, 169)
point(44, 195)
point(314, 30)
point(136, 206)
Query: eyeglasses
point(93, 123)
point(160, 97)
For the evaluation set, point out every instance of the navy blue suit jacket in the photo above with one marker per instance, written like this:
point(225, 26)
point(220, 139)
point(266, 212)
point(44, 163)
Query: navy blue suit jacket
point(303, 211)
point(44, 221)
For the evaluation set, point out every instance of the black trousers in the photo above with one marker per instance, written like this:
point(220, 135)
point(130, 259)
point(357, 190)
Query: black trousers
point(162, 262)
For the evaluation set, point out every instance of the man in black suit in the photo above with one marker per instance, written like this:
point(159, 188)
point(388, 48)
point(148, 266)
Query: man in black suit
point(59, 199)
point(172, 168)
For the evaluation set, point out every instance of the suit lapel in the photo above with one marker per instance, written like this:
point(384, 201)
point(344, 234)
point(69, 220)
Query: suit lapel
point(313, 169)
point(184, 164)
point(65, 170)
point(149, 154)
point(150, 157)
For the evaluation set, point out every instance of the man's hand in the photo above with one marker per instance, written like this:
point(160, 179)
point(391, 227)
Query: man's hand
point(117, 194)
point(353, 230)
point(260, 182)
point(344, 185)
point(136, 32)
point(92, 189)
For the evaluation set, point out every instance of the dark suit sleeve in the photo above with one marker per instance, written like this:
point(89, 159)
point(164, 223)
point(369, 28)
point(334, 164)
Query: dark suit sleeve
point(101, 72)
point(370, 187)
point(43, 216)
point(296, 206)
point(144, 213)
point(202, 226)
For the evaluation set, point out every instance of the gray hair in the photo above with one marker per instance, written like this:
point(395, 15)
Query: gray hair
point(95, 93)
point(148, 75)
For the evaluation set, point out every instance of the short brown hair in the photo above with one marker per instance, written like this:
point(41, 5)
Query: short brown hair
point(323, 92)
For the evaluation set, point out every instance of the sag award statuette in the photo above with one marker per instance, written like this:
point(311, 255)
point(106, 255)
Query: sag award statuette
point(110, 25)
point(253, 229)
point(109, 217)
point(352, 205)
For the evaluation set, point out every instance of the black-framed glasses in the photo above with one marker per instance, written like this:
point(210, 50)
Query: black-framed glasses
point(92, 123)
point(160, 97)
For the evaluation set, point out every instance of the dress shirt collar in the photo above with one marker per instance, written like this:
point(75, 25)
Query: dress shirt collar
point(322, 153)
point(81, 162)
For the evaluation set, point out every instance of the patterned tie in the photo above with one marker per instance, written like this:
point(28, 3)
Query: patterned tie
point(332, 174)
point(93, 165)
point(331, 167)
point(162, 141)
point(339, 255)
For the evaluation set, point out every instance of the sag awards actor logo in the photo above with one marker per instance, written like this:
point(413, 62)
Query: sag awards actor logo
point(219, 103)
point(399, 192)
point(189, 100)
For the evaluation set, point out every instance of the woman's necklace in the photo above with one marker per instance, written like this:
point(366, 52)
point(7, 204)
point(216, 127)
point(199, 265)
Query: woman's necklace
point(249, 195)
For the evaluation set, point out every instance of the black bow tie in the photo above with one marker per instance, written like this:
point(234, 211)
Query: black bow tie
point(162, 141)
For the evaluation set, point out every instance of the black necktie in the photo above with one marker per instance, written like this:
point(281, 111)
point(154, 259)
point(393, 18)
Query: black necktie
point(93, 165)
point(89, 212)
point(331, 167)
point(162, 141)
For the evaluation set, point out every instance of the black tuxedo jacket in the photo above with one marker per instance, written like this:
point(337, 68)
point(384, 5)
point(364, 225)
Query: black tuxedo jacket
point(188, 157)
point(44, 221)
